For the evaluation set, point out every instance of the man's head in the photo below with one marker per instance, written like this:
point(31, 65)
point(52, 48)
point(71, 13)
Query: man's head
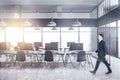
point(100, 37)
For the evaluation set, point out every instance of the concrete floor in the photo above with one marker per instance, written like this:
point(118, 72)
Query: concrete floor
point(61, 73)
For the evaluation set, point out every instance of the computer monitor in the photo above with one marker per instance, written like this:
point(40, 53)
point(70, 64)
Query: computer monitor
point(72, 46)
point(28, 46)
point(54, 45)
point(76, 46)
point(47, 46)
point(79, 46)
point(51, 46)
point(21, 45)
point(5, 45)
point(25, 46)
point(37, 45)
point(69, 43)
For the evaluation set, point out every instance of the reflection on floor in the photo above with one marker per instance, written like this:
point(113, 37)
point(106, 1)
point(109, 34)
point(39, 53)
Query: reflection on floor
point(61, 73)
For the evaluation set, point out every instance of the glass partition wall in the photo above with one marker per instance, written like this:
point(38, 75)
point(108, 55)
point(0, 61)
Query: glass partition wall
point(119, 38)
point(85, 35)
point(108, 25)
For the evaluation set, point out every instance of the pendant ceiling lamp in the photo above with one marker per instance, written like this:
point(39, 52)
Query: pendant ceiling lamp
point(37, 27)
point(51, 23)
point(71, 28)
point(27, 23)
point(54, 28)
point(77, 23)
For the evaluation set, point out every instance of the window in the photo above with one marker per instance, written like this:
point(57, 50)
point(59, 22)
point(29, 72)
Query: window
point(31, 35)
point(113, 24)
point(118, 23)
point(88, 36)
point(51, 35)
point(68, 35)
point(113, 4)
point(100, 10)
point(106, 6)
point(14, 35)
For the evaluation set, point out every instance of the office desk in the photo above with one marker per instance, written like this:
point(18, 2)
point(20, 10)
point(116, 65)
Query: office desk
point(90, 54)
point(37, 55)
point(65, 55)
point(9, 57)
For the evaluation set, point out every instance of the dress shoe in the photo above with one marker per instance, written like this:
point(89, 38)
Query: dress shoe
point(93, 72)
point(108, 72)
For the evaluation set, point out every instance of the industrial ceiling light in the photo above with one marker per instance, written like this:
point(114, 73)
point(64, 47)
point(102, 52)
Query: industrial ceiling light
point(2, 23)
point(27, 23)
point(37, 27)
point(51, 23)
point(54, 28)
point(71, 28)
point(76, 23)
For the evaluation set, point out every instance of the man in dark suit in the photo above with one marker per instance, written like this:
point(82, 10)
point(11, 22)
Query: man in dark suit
point(101, 50)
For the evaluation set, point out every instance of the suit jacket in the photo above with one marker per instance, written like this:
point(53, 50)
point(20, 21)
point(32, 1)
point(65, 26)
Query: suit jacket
point(101, 50)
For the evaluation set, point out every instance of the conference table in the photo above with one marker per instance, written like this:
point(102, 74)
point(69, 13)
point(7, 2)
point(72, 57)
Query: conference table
point(39, 55)
point(9, 56)
point(63, 54)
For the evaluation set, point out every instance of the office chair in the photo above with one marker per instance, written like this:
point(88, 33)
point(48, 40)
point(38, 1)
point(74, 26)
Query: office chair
point(81, 57)
point(20, 57)
point(48, 57)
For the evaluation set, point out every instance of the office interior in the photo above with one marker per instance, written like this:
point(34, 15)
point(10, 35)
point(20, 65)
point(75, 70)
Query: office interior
point(31, 29)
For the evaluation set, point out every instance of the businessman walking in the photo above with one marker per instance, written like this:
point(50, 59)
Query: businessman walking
point(101, 50)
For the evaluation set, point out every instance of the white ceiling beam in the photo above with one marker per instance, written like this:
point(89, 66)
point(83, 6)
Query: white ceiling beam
point(47, 15)
point(50, 2)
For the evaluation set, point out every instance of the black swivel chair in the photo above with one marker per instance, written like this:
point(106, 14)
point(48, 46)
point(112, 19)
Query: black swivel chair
point(25, 47)
point(75, 47)
point(20, 57)
point(81, 57)
point(48, 57)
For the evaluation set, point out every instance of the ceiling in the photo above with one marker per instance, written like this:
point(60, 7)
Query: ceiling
point(48, 6)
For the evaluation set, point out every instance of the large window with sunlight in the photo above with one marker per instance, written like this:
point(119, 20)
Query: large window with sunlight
point(14, 35)
point(31, 35)
point(68, 36)
point(50, 35)
point(113, 24)
point(62, 35)
point(88, 36)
